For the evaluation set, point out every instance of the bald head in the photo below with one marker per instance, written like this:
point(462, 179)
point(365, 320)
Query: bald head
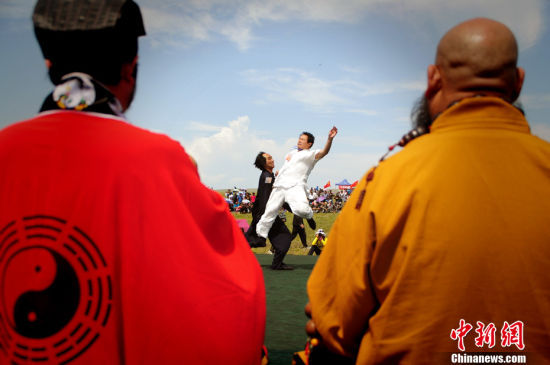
point(478, 56)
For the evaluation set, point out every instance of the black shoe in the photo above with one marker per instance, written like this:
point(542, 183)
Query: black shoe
point(283, 267)
point(312, 223)
point(258, 242)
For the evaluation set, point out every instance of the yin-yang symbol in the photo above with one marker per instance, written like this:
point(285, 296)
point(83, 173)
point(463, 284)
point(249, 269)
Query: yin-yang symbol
point(48, 293)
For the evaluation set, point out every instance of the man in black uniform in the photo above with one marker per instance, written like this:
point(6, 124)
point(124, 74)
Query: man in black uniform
point(279, 235)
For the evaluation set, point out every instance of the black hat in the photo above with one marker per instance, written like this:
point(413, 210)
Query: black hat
point(88, 35)
point(71, 15)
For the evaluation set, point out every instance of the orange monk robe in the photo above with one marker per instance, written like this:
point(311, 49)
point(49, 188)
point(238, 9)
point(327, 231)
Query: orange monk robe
point(453, 227)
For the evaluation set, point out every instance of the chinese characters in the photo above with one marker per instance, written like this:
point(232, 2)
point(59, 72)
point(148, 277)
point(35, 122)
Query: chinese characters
point(510, 334)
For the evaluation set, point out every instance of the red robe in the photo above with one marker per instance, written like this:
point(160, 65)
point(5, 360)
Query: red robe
point(112, 251)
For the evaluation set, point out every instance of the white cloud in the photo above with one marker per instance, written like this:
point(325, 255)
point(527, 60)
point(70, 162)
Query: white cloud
point(295, 85)
point(176, 28)
point(189, 22)
point(241, 35)
point(226, 155)
point(320, 10)
point(180, 23)
point(236, 20)
point(288, 84)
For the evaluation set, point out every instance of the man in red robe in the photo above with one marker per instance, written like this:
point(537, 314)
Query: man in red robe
point(103, 259)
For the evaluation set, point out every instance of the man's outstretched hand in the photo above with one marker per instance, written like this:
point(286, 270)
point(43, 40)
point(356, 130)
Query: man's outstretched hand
point(333, 132)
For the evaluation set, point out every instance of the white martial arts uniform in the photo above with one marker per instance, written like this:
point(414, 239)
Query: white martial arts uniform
point(289, 186)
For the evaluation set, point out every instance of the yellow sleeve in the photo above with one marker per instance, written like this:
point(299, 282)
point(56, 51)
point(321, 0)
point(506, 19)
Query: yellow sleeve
point(314, 241)
point(339, 291)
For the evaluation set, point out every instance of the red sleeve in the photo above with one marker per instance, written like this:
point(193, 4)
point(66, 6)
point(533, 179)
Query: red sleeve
point(184, 259)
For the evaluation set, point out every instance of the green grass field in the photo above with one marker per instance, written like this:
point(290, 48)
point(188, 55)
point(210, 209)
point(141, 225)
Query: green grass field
point(286, 293)
point(286, 297)
point(324, 220)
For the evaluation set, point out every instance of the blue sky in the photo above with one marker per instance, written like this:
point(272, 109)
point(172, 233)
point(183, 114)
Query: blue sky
point(230, 78)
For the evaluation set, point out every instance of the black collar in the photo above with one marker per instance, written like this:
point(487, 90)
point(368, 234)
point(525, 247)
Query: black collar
point(79, 91)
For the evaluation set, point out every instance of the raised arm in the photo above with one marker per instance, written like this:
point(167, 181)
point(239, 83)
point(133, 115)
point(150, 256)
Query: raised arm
point(331, 134)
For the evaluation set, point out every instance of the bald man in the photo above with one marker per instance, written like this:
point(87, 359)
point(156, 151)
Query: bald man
point(444, 248)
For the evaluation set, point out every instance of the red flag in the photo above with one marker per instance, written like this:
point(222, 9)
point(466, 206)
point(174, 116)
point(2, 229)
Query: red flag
point(327, 185)
point(354, 184)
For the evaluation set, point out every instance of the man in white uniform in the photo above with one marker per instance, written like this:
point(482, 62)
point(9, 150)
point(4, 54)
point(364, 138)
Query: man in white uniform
point(290, 183)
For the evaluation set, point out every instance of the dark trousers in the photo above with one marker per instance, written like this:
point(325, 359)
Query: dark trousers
point(279, 236)
point(253, 239)
point(314, 249)
point(299, 231)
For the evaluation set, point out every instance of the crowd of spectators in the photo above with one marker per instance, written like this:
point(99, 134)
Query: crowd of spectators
point(327, 201)
point(321, 200)
point(239, 200)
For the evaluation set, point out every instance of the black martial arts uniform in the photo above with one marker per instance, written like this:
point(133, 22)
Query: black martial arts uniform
point(279, 235)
